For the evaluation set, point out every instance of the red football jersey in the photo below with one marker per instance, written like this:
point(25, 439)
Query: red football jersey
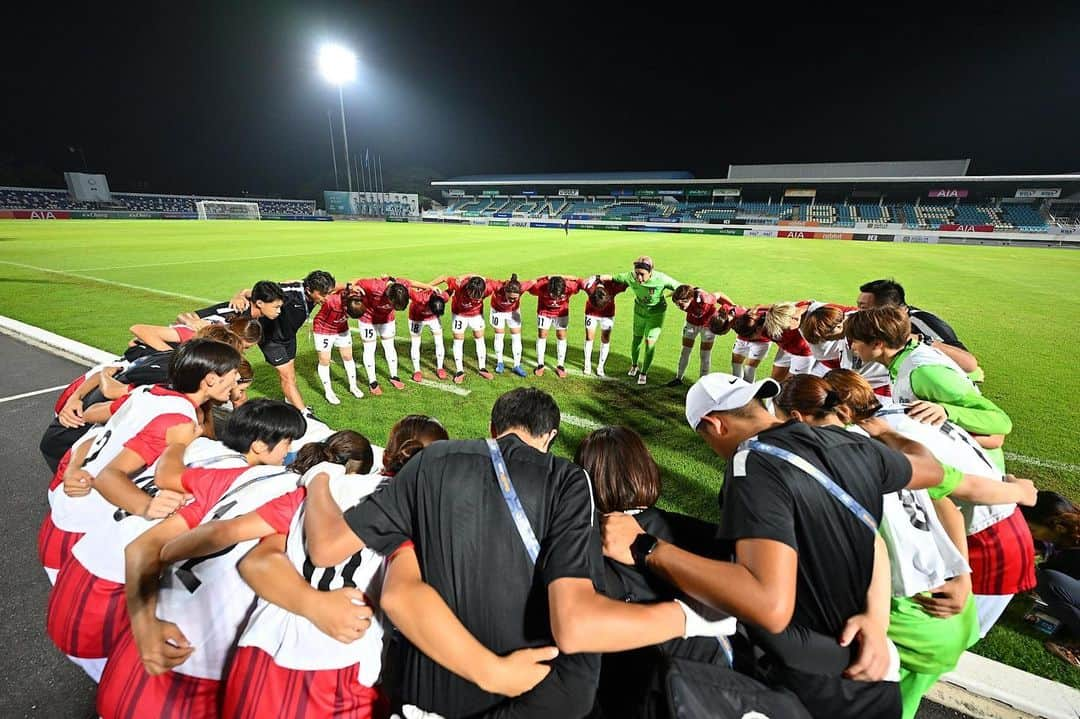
point(499, 302)
point(418, 303)
point(702, 308)
point(463, 305)
point(377, 307)
point(760, 336)
point(550, 306)
point(613, 289)
point(331, 318)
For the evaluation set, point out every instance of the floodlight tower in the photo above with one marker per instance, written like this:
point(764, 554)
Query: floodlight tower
point(338, 65)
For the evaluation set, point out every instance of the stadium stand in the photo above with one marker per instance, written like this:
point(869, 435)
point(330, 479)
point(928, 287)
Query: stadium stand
point(42, 199)
point(1025, 218)
point(1003, 215)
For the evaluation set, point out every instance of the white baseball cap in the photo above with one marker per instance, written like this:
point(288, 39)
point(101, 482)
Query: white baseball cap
point(719, 392)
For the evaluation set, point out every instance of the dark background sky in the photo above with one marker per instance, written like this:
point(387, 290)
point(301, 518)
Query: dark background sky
point(225, 97)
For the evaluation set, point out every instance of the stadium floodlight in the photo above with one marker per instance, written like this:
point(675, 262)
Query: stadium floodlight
point(338, 65)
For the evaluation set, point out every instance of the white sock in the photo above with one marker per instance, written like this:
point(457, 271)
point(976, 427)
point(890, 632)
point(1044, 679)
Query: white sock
point(350, 371)
point(588, 354)
point(459, 355)
point(369, 361)
point(391, 355)
point(737, 369)
point(560, 352)
point(515, 348)
point(324, 376)
point(748, 373)
point(706, 361)
point(605, 348)
point(440, 349)
point(541, 349)
point(481, 352)
point(684, 360)
point(414, 352)
point(500, 338)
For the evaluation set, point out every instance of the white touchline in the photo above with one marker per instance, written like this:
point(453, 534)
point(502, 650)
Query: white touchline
point(109, 282)
point(446, 388)
point(14, 397)
point(580, 421)
point(1046, 463)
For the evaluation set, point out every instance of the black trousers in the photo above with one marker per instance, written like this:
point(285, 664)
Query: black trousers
point(1062, 596)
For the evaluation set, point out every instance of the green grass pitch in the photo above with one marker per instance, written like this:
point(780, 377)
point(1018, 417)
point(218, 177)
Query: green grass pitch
point(1017, 309)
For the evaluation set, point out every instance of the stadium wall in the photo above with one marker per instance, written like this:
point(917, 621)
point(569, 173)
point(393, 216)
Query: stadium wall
point(862, 232)
point(129, 215)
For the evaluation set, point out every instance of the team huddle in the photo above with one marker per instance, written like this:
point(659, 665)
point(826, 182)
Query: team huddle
point(214, 555)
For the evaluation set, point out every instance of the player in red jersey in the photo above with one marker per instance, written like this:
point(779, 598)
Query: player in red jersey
point(794, 355)
point(184, 617)
point(467, 312)
point(506, 315)
point(426, 308)
point(331, 329)
point(85, 608)
point(700, 308)
point(381, 296)
point(599, 315)
point(553, 295)
point(751, 342)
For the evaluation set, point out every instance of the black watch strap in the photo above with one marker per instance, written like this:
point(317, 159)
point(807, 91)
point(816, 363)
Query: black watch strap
point(640, 549)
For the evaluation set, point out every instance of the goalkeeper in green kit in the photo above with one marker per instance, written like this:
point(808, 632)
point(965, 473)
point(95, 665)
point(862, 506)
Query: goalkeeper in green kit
point(649, 308)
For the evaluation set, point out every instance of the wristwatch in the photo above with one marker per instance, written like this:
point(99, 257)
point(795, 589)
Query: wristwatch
point(640, 549)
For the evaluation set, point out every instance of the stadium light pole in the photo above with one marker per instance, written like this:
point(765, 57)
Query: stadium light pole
point(338, 65)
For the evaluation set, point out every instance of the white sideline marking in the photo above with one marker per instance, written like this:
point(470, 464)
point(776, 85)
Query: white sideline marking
point(580, 421)
point(109, 282)
point(461, 392)
point(14, 397)
point(1046, 463)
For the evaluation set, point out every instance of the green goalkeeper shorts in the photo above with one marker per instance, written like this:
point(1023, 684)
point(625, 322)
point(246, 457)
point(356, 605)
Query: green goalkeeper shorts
point(648, 322)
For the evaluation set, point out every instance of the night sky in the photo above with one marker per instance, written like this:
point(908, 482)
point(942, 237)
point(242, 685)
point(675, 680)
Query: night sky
point(225, 97)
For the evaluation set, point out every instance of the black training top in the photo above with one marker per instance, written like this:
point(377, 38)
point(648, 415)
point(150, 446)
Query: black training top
point(294, 314)
point(447, 501)
point(930, 325)
point(764, 497)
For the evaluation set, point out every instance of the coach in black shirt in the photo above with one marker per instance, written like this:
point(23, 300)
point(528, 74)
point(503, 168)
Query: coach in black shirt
point(933, 330)
point(278, 342)
point(804, 561)
point(467, 548)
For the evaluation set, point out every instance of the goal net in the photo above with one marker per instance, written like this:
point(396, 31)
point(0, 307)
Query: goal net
point(223, 210)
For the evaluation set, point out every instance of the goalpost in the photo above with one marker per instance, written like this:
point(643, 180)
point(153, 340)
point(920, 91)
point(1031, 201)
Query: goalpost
point(225, 210)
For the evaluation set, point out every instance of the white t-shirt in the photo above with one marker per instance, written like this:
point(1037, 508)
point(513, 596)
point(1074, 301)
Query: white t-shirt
point(292, 640)
point(206, 597)
point(139, 424)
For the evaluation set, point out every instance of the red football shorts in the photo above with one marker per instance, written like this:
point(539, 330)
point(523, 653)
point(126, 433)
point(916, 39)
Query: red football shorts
point(128, 692)
point(257, 688)
point(1002, 557)
point(87, 614)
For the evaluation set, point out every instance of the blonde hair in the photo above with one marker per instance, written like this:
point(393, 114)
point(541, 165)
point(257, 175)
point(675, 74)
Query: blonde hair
point(779, 318)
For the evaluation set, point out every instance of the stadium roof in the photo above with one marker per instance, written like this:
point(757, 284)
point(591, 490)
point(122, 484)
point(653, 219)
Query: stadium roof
point(557, 177)
point(646, 179)
point(823, 170)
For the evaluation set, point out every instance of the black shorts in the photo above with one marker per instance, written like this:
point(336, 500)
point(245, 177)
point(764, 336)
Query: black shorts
point(278, 352)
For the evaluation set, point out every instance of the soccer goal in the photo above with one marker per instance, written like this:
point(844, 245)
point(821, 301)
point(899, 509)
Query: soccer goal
point(224, 210)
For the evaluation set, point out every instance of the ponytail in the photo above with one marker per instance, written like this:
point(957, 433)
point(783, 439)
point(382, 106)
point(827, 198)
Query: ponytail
point(350, 449)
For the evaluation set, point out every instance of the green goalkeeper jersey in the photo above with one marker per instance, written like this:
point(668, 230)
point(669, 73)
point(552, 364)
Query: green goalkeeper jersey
point(648, 295)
